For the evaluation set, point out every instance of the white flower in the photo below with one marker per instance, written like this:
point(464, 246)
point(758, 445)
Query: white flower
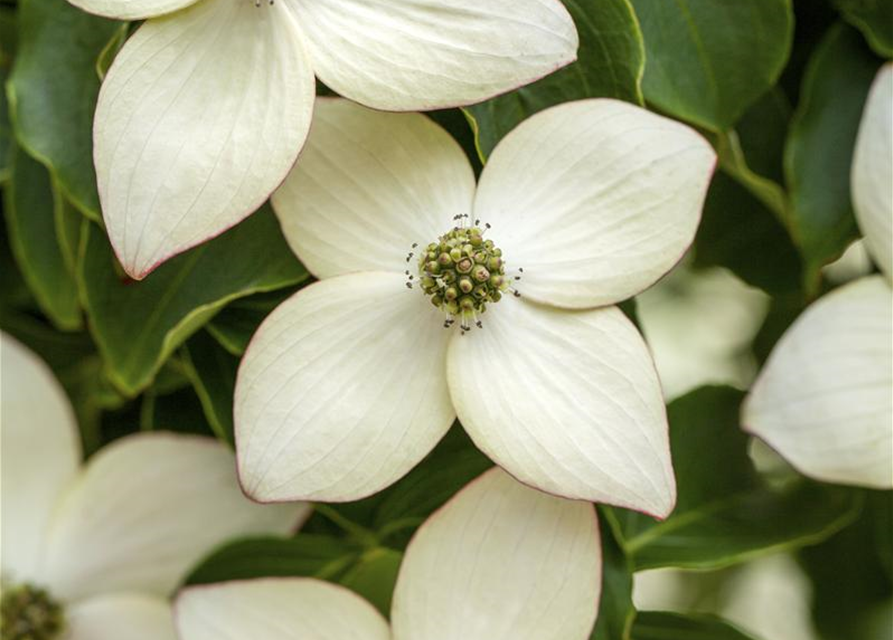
point(102, 545)
point(824, 400)
point(348, 384)
point(206, 107)
point(500, 560)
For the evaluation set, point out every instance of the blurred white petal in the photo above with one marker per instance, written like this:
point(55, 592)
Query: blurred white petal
point(41, 454)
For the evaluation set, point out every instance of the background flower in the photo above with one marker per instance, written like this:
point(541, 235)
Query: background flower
point(111, 539)
point(824, 400)
point(496, 546)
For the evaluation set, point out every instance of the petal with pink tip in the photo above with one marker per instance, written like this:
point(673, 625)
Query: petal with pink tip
point(594, 199)
point(412, 55)
point(501, 560)
point(199, 119)
point(342, 390)
point(277, 609)
point(368, 187)
point(566, 401)
point(824, 399)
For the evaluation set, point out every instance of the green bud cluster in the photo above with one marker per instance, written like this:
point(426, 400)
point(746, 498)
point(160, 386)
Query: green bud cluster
point(28, 613)
point(463, 273)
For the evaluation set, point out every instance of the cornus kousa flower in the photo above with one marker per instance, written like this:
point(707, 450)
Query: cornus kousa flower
point(91, 552)
point(824, 400)
point(420, 315)
point(500, 560)
point(206, 107)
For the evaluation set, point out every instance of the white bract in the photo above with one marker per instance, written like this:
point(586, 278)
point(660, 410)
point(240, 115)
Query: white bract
point(824, 400)
point(500, 561)
point(207, 106)
point(99, 547)
point(349, 383)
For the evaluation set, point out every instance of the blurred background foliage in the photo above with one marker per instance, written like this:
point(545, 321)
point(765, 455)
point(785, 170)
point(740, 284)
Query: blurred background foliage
point(777, 86)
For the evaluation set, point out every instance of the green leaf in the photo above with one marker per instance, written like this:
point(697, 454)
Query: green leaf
point(303, 555)
point(454, 463)
point(212, 371)
point(820, 145)
point(609, 65)
point(663, 625)
point(374, 576)
point(179, 411)
point(616, 611)
point(234, 326)
point(7, 49)
point(137, 325)
point(709, 60)
point(874, 18)
point(849, 578)
point(725, 513)
point(30, 209)
point(739, 233)
point(752, 154)
point(52, 92)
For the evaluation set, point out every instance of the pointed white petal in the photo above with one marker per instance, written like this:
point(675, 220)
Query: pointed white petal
point(342, 390)
point(41, 454)
point(147, 508)
point(199, 119)
point(369, 185)
point(595, 199)
point(277, 609)
point(567, 402)
point(131, 9)
point(872, 173)
point(501, 560)
point(121, 616)
point(407, 55)
point(824, 399)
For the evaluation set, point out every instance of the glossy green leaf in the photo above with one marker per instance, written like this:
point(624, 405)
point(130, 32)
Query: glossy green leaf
point(735, 228)
point(615, 611)
point(52, 92)
point(752, 154)
point(453, 464)
point(374, 576)
point(850, 581)
point(137, 325)
point(709, 60)
point(7, 50)
point(609, 65)
point(874, 18)
point(663, 625)
point(820, 145)
point(725, 513)
point(303, 555)
point(212, 371)
point(30, 209)
point(67, 221)
point(234, 326)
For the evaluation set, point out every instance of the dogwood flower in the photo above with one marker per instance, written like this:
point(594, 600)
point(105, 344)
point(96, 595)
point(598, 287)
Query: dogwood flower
point(91, 552)
point(350, 382)
point(500, 560)
point(824, 399)
point(207, 106)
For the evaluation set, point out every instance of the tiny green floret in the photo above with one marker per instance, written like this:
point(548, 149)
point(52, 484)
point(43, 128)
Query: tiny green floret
point(29, 613)
point(462, 273)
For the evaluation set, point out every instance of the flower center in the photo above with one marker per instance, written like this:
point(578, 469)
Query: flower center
point(462, 273)
point(28, 613)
